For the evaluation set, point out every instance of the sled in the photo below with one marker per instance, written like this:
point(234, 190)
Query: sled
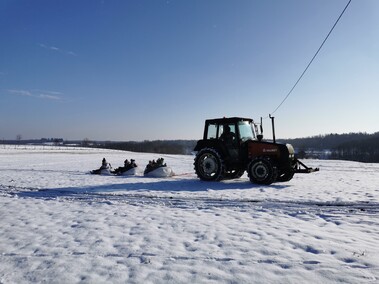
point(160, 172)
point(130, 172)
point(105, 172)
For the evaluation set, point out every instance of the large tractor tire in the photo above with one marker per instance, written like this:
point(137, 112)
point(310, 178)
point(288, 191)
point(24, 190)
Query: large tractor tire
point(262, 171)
point(208, 165)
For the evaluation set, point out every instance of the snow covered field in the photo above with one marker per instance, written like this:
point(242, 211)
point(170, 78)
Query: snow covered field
point(59, 224)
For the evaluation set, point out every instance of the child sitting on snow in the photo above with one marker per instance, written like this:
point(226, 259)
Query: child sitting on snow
point(104, 166)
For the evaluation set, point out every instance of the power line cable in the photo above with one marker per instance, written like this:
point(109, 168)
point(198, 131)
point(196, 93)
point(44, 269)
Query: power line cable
point(313, 58)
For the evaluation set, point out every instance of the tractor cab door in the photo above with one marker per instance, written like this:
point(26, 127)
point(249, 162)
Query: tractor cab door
point(229, 136)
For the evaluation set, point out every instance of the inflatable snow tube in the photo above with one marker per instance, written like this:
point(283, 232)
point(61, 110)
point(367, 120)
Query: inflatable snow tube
point(104, 172)
point(160, 172)
point(131, 172)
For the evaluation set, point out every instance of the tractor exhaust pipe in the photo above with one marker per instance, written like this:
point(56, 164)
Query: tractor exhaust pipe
point(273, 127)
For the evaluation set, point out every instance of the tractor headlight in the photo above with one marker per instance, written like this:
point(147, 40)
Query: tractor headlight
point(291, 151)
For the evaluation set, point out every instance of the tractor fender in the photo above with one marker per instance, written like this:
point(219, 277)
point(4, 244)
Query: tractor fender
point(214, 144)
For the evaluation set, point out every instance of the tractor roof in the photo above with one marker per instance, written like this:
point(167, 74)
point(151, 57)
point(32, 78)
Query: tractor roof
point(226, 120)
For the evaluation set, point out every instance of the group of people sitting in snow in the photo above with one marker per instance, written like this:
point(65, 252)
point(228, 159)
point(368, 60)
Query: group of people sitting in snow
point(130, 166)
point(107, 167)
point(153, 165)
point(127, 166)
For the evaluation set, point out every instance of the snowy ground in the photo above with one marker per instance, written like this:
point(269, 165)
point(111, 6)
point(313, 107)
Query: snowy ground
point(59, 224)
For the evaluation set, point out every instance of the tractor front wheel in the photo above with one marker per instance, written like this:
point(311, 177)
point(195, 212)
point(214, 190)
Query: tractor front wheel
point(262, 171)
point(287, 175)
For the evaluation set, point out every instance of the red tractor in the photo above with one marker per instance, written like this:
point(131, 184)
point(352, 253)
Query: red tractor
point(231, 146)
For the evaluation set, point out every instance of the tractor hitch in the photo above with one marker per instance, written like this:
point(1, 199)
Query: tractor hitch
point(302, 168)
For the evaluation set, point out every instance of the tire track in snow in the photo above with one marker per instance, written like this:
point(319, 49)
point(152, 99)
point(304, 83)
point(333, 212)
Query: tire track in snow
point(201, 203)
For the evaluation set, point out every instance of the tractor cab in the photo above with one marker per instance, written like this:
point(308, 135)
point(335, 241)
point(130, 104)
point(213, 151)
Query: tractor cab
point(228, 135)
point(242, 129)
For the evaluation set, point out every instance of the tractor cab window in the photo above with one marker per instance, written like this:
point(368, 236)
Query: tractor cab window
point(246, 131)
point(212, 131)
point(228, 133)
point(227, 128)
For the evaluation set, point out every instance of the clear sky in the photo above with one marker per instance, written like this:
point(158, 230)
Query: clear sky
point(152, 69)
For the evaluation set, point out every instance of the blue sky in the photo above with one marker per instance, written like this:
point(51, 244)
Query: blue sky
point(136, 70)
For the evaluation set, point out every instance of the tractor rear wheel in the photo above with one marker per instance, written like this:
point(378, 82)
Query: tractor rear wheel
point(208, 165)
point(262, 171)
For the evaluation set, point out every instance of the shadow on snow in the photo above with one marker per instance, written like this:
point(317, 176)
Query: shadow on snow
point(150, 185)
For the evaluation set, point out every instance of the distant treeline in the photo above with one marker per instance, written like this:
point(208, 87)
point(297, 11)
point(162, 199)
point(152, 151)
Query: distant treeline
point(361, 147)
point(184, 147)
